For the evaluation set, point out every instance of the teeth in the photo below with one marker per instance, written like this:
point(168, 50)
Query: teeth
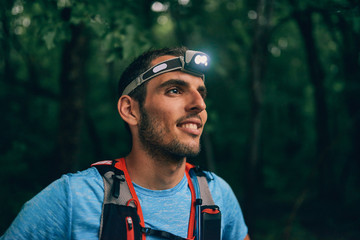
point(189, 125)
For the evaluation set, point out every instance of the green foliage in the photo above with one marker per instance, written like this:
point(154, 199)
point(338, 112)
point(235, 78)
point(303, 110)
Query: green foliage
point(288, 200)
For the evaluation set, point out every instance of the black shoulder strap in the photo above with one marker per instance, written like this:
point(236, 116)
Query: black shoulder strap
point(208, 220)
point(117, 206)
point(205, 194)
point(114, 183)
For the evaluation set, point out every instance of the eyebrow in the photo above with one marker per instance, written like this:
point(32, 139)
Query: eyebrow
point(178, 82)
point(203, 91)
point(172, 82)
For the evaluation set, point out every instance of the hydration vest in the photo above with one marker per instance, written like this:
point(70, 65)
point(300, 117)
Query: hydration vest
point(122, 218)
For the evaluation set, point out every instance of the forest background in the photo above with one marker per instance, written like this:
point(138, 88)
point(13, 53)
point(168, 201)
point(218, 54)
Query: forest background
point(283, 104)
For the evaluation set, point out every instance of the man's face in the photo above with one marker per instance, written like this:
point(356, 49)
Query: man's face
point(173, 115)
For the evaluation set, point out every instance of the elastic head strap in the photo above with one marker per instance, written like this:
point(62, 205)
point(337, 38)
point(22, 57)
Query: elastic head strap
point(193, 62)
point(160, 68)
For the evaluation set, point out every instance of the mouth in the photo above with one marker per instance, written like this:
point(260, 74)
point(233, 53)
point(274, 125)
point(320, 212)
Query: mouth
point(189, 125)
point(192, 125)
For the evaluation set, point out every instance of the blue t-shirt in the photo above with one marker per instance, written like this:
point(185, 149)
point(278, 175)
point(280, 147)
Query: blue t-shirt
point(70, 208)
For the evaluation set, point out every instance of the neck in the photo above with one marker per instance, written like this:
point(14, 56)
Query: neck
point(155, 172)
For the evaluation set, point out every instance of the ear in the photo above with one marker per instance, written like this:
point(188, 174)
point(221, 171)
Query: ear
point(129, 110)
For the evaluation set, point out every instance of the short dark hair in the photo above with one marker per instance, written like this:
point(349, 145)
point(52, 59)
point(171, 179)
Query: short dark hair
point(140, 65)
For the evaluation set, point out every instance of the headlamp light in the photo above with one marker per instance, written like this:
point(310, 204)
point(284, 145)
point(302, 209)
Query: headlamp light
point(193, 62)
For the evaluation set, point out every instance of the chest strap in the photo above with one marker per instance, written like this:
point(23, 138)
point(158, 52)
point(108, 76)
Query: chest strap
point(163, 234)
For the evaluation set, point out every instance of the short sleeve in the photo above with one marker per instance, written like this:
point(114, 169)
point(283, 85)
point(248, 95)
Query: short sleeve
point(45, 216)
point(232, 221)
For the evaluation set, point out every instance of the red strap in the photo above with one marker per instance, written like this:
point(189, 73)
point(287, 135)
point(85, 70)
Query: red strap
point(210, 211)
point(129, 228)
point(193, 200)
point(120, 164)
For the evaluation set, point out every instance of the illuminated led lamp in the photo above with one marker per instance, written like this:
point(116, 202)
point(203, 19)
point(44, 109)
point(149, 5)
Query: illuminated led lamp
point(193, 62)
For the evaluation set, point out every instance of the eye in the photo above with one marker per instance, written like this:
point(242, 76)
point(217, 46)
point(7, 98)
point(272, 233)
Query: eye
point(203, 93)
point(174, 90)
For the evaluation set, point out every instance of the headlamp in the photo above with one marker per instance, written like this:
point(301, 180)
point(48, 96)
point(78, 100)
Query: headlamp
point(193, 62)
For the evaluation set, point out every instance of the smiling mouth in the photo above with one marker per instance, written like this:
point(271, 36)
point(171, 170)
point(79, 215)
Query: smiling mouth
point(190, 126)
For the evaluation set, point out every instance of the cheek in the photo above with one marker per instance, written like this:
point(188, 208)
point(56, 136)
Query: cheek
point(165, 112)
point(204, 117)
point(161, 116)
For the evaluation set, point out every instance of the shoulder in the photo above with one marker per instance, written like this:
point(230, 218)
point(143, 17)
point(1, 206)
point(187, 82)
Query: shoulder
point(88, 177)
point(52, 210)
point(63, 191)
point(68, 183)
point(221, 191)
point(75, 180)
point(217, 185)
point(86, 192)
point(233, 224)
point(72, 184)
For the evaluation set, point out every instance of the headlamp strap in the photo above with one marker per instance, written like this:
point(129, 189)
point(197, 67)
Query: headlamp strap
point(163, 67)
point(193, 62)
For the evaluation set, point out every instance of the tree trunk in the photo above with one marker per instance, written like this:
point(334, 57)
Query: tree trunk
point(72, 98)
point(258, 65)
point(351, 69)
point(317, 78)
point(8, 75)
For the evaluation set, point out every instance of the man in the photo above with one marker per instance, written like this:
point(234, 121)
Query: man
point(162, 103)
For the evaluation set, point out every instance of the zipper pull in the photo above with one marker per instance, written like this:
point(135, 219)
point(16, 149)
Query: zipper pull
point(129, 222)
point(130, 235)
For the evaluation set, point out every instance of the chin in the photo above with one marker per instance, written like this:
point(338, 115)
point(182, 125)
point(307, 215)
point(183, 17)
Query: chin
point(192, 151)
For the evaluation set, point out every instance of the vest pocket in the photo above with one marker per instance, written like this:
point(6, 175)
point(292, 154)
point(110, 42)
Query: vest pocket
point(120, 222)
point(210, 223)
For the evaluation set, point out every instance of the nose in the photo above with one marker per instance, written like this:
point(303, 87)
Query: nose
point(196, 102)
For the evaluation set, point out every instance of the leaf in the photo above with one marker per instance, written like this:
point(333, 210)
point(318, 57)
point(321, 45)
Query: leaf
point(49, 39)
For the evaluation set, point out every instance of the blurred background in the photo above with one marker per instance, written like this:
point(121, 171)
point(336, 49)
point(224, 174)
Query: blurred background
point(283, 104)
